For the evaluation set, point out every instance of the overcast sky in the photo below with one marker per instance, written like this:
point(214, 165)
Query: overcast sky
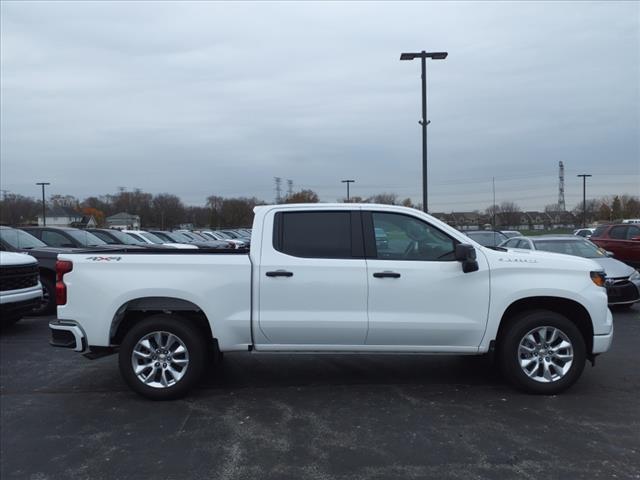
point(218, 98)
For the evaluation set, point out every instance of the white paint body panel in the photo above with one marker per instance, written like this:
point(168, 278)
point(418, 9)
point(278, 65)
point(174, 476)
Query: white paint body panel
point(334, 305)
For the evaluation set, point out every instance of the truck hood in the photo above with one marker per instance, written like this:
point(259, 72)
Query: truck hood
point(540, 259)
point(11, 259)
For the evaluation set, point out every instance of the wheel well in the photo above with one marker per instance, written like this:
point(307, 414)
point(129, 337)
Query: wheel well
point(568, 308)
point(135, 310)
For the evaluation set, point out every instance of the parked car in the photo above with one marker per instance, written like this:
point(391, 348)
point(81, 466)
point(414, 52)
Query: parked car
point(20, 289)
point(621, 239)
point(177, 237)
point(151, 239)
point(622, 282)
point(486, 238)
point(15, 240)
point(115, 237)
point(65, 237)
point(216, 235)
point(584, 232)
point(511, 233)
point(316, 282)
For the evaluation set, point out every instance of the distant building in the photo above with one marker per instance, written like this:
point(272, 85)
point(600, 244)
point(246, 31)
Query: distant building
point(123, 220)
point(66, 217)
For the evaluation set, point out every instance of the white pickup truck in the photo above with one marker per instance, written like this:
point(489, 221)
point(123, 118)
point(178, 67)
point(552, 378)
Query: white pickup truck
point(334, 278)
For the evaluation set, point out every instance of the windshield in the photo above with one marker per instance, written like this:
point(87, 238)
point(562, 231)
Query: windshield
point(176, 237)
point(578, 248)
point(19, 239)
point(86, 239)
point(487, 239)
point(152, 238)
point(125, 239)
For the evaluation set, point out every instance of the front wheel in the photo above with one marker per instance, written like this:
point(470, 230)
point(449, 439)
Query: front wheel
point(162, 357)
point(542, 352)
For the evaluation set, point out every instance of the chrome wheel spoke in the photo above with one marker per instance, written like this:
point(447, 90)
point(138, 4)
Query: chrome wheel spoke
point(153, 359)
point(545, 354)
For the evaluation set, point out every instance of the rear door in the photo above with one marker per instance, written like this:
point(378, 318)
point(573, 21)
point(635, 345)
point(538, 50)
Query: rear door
point(312, 280)
point(418, 294)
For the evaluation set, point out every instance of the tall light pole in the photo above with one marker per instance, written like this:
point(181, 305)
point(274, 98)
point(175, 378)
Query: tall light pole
point(44, 209)
point(424, 122)
point(348, 182)
point(584, 198)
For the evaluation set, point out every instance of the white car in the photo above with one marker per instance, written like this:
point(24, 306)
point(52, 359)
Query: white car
point(222, 237)
point(584, 232)
point(315, 281)
point(151, 239)
point(20, 288)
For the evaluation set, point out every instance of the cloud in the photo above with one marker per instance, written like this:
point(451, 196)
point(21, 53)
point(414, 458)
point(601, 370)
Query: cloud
point(218, 98)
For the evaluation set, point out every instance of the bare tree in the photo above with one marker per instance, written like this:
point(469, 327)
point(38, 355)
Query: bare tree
point(384, 198)
point(303, 196)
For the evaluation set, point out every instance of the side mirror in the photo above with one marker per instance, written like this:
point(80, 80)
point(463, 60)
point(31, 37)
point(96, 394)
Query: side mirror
point(609, 254)
point(466, 255)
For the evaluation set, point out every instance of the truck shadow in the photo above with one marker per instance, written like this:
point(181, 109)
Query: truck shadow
point(283, 370)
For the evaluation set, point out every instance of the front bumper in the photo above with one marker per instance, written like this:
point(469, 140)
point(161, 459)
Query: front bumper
point(67, 334)
point(602, 343)
point(623, 292)
point(17, 303)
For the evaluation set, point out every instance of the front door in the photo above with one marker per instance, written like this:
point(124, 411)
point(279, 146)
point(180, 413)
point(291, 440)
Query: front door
point(312, 281)
point(418, 294)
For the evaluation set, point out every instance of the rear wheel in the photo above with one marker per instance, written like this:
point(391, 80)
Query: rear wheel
point(162, 357)
point(542, 352)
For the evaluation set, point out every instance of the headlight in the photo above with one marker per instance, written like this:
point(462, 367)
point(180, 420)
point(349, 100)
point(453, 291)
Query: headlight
point(635, 276)
point(598, 278)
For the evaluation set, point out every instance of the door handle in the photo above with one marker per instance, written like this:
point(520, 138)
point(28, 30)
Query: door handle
point(280, 273)
point(386, 275)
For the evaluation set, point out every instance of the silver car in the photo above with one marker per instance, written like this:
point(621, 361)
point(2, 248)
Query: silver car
point(623, 281)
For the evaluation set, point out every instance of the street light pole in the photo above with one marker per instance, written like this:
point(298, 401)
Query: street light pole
point(424, 122)
point(348, 182)
point(584, 198)
point(44, 209)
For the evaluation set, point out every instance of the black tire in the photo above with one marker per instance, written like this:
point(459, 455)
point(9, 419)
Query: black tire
point(189, 335)
point(48, 305)
point(509, 346)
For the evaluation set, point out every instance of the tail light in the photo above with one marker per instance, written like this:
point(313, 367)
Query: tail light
point(62, 267)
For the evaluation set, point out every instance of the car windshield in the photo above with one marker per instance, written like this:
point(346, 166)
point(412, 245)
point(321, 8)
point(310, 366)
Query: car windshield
point(125, 239)
point(176, 237)
point(152, 238)
point(487, 239)
point(19, 239)
point(86, 239)
point(577, 248)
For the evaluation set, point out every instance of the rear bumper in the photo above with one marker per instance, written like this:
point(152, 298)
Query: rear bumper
point(602, 343)
point(67, 334)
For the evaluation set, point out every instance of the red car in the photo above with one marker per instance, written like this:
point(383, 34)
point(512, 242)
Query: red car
point(623, 240)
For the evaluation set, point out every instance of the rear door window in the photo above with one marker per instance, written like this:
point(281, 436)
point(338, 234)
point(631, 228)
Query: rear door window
point(314, 234)
point(619, 232)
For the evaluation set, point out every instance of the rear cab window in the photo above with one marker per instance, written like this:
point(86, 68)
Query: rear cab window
point(319, 234)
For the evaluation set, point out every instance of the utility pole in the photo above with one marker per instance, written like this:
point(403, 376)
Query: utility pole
point(44, 208)
point(348, 182)
point(289, 188)
point(494, 203)
point(584, 198)
point(278, 181)
point(424, 122)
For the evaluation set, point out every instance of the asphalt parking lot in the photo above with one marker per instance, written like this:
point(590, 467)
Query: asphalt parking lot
point(315, 417)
